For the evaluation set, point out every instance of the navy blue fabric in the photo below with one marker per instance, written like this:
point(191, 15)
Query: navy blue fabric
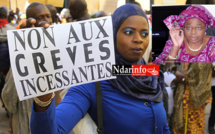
point(123, 114)
point(146, 88)
point(4, 57)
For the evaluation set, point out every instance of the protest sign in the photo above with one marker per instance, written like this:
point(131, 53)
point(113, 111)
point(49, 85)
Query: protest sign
point(65, 55)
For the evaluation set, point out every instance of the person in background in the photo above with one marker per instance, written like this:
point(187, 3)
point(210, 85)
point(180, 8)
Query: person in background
point(130, 104)
point(14, 18)
point(211, 121)
point(98, 14)
point(192, 91)
point(53, 11)
point(4, 51)
point(64, 14)
point(21, 110)
point(69, 19)
point(78, 10)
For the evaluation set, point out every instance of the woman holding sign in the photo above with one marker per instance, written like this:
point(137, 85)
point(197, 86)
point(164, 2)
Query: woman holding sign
point(130, 104)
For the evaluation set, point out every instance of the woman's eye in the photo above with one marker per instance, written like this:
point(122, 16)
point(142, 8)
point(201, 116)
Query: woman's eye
point(198, 28)
point(128, 32)
point(188, 28)
point(145, 34)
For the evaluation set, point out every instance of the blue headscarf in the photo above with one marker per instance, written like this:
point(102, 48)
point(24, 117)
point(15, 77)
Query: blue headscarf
point(145, 88)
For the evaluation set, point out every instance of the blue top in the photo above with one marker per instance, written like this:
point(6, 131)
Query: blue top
point(122, 114)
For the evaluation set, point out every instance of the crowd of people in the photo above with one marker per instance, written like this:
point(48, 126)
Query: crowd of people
point(130, 104)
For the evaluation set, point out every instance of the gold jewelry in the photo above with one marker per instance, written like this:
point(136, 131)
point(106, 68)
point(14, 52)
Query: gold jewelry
point(183, 79)
point(42, 103)
point(172, 58)
point(195, 50)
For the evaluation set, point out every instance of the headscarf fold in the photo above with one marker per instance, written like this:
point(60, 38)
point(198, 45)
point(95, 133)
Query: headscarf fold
point(195, 11)
point(145, 88)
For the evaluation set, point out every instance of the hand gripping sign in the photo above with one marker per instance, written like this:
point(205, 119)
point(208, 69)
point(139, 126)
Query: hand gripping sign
point(65, 55)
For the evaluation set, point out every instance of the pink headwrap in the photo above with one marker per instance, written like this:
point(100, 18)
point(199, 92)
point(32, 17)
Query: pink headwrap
point(195, 11)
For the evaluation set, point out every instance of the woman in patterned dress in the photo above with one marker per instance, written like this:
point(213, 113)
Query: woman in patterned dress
point(188, 41)
point(192, 92)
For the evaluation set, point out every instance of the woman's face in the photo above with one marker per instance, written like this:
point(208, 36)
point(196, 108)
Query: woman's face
point(194, 30)
point(133, 38)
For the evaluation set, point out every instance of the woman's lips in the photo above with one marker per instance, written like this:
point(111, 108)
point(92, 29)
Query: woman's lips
point(137, 50)
point(193, 38)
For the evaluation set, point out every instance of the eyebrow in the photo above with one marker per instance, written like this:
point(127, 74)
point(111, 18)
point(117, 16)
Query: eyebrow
point(134, 28)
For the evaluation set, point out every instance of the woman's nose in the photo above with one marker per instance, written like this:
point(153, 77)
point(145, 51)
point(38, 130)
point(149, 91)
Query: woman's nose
point(193, 31)
point(137, 38)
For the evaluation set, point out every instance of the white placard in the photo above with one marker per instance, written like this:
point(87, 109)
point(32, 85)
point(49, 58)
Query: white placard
point(65, 55)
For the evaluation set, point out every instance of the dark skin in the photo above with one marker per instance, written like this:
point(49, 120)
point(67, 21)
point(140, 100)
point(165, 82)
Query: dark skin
point(69, 19)
point(179, 77)
point(78, 9)
point(38, 16)
point(41, 14)
point(132, 38)
point(53, 12)
point(194, 34)
point(11, 16)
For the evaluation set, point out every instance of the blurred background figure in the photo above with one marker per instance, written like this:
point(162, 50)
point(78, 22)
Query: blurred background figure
point(78, 10)
point(64, 14)
point(136, 3)
point(211, 121)
point(192, 92)
point(69, 19)
point(14, 18)
point(53, 11)
point(98, 14)
point(4, 51)
point(21, 110)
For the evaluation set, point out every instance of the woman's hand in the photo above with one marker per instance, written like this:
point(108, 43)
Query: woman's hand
point(43, 98)
point(180, 77)
point(177, 36)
